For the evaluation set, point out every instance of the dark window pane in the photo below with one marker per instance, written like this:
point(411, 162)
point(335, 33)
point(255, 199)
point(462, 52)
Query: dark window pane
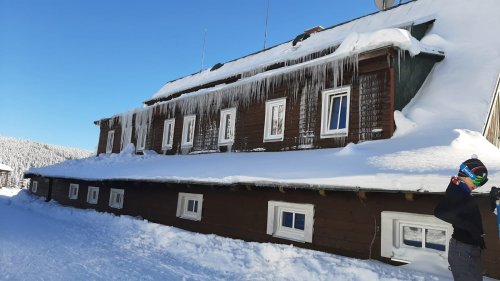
point(287, 219)
point(343, 113)
point(334, 113)
point(412, 236)
point(435, 239)
point(300, 221)
point(190, 205)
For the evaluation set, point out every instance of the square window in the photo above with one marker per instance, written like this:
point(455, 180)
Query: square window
point(335, 112)
point(141, 138)
point(110, 140)
point(168, 134)
point(290, 220)
point(188, 131)
point(34, 186)
point(93, 195)
point(116, 197)
point(407, 235)
point(274, 126)
point(73, 191)
point(189, 206)
point(226, 127)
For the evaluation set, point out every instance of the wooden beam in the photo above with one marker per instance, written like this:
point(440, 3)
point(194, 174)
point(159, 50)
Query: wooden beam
point(362, 196)
point(281, 189)
point(322, 192)
point(409, 196)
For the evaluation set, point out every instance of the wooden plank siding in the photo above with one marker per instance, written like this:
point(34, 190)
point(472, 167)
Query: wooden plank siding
point(371, 107)
point(343, 223)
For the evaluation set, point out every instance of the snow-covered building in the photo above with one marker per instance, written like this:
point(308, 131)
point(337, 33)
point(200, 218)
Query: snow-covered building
point(341, 140)
point(4, 174)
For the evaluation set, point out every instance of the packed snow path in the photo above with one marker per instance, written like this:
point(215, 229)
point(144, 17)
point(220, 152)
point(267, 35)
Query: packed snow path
point(45, 241)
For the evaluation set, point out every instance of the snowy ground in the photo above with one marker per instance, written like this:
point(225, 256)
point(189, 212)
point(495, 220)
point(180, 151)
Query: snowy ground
point(44, 241)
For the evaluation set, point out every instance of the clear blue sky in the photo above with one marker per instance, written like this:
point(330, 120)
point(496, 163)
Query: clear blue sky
point(67, 63)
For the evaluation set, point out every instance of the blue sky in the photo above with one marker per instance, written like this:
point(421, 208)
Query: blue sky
point(65, 64)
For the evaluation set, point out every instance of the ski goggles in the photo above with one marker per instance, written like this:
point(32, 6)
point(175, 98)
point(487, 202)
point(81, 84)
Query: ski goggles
point(476, 180)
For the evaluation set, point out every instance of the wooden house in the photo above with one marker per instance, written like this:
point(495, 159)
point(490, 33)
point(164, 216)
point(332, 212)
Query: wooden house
point(268, 119)
point(5, 171)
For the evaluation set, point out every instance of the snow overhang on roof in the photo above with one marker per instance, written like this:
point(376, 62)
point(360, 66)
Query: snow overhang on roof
point(5, 168)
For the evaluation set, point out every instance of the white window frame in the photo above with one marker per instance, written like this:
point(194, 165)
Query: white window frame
point(392, 245)
point(223, 125)
point(326, 108)
point(34, 186)
point(109, 141)
point(141, 138)
point(275, 211)
point(168, 127)
point(270, 104)
point(190, 119)
point(73, 191)
point(113, 192)
point(182, 206)
point(91, 189)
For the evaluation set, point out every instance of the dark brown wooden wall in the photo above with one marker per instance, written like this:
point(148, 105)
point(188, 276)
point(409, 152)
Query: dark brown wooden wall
point(343, 223)
point(373, 81)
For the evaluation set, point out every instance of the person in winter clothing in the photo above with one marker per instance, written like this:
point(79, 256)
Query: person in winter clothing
point(459, 208)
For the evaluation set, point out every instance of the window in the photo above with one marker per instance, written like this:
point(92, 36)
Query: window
point(226, 128)
point(73, 191)
point(168, 134)
point(335, 112)
point(34, 186)
point(116, 197)
point(141, 138)
point(290, 220)
point(111, 139)
point(406, 235)
point(274, 126)
point(93, 194)
point(188, 130)
point(189, 206)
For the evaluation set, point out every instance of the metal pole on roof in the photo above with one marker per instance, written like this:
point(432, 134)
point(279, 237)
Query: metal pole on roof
point(267, 16)
point(203, 49)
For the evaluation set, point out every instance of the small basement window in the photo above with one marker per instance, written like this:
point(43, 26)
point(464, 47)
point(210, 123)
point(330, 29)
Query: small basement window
point(290, 220)
point(34, 186)
point(116, 197)
point(274, 126)
point(335, 112)
point(73, 191)
point(168, 134)
point(226, 127)
point(110, 140)
point(188, 131)
point(406, 236)
point(189, 206)
point(93, 195)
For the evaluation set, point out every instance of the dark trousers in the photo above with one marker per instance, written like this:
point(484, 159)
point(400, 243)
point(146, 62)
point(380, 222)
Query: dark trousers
point(465, 261)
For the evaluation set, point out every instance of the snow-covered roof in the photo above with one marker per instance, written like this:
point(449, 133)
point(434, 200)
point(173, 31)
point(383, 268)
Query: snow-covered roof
point(4, 167)
point(435, 132)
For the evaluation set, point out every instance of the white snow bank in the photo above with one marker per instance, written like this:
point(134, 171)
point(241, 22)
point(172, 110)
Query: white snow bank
point(399, 163)
point(44, 241)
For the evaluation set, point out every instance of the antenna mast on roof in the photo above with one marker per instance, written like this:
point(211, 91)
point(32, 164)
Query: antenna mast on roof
point(265, 31)
point(203, 49)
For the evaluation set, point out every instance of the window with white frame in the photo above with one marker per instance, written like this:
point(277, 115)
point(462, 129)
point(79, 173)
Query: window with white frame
point(109, 143)
point(188, 131)
point(226, 127)
point(73, 191)
point(168, 134)
point(189, 206)
point(274, 126)
point(408, 235)
point(116, 197)
point(93, 195)
point(335, 112)
point(141, 138)
point(290, 220)
point(34, 186)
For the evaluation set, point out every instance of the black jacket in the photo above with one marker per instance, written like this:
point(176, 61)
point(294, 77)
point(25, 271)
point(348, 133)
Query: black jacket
point(459, 208)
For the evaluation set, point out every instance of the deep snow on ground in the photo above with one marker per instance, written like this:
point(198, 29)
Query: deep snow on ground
point(45, 241)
